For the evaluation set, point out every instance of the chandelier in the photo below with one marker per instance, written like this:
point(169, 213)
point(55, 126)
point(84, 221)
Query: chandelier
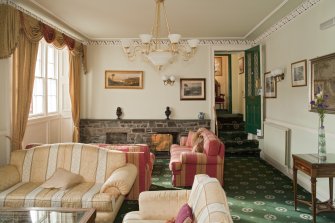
point(159, 52)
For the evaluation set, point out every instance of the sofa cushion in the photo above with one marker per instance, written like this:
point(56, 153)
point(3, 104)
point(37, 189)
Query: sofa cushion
point(84, 195)
point(184, 214)
point(62, 179)
point(198, 145)
point(189, 138)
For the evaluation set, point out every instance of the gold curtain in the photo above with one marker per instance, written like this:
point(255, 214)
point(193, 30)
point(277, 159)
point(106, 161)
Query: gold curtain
point(21, 34)
point(75, 93)
point(24, 61)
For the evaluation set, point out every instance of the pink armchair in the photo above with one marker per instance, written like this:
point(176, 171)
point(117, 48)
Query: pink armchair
point(185, 164)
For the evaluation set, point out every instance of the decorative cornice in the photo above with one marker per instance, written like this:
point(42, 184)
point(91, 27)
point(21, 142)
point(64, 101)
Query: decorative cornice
point(301, 9)
point(27, 12)
point(117, 42)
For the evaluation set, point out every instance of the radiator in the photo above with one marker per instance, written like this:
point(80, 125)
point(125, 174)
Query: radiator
point(277, 143)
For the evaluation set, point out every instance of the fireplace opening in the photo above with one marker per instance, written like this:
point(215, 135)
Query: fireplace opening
point(116, 138)
point(162, 141)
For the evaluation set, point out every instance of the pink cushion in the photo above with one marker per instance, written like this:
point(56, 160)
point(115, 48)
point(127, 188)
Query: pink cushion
point(184, 215)
point(211, 143)
point(189, 138)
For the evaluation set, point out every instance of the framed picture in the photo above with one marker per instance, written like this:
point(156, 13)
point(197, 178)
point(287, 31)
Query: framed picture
point(193, 89)
point(218, 66)
point(117, 79)
point(299, 73)
point(323, 79)
point(241, 65)
point(270, 86)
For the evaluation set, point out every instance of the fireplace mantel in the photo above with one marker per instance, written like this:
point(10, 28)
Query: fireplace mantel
point(137, 130)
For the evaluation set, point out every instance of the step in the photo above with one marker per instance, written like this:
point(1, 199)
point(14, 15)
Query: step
point(231, 126)
point(252, 143)
point(233, 135)
point(230, 118)
point(233, 151)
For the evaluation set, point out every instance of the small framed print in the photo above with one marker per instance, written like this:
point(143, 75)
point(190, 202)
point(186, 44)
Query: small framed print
point(193, 89)
point(116, 79)
point(299, 73)
point(270, 86)
point(241, 65)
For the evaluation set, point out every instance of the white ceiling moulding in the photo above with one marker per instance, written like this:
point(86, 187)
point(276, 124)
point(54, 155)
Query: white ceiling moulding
point(39, 18)
point(211, 42)
point(301, 9)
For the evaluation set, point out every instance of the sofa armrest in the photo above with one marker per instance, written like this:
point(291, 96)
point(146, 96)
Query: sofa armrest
point(162, 205)
point(199, 158)
point(9, 176)
point(122, 179)
point(183, 140)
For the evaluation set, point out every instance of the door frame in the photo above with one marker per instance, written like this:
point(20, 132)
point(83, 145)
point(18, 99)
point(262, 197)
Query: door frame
point(211, 81)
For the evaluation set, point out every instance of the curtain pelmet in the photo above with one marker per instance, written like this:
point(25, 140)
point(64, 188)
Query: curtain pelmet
point(10, 27)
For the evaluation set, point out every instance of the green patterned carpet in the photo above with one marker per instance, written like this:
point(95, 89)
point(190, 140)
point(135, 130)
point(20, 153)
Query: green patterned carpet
point(256, 192)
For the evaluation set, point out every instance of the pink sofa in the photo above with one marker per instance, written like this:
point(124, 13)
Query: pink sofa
point(185, 164)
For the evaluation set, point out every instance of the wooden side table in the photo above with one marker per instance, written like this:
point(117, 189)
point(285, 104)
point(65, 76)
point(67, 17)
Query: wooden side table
point(311, 165)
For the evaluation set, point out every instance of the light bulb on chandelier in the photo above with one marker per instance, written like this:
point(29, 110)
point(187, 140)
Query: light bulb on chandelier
point(153, 48)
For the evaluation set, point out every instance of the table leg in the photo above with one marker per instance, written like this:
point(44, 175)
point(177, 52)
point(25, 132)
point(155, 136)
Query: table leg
point(331, 191)
point(295, 187)
point(313, 182)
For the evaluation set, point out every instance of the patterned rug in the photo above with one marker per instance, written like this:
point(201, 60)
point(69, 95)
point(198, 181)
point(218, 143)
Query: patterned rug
point(256, 192)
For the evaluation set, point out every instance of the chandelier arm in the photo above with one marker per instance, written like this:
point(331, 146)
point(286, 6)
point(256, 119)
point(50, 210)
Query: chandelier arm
point(131, 53)
point(166, 20)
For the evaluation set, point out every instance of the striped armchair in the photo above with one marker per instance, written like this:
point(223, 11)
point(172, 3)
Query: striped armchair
point(185, 164)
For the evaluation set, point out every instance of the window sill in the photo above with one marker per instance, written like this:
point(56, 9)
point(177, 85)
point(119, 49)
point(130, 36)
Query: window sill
point(36, 119)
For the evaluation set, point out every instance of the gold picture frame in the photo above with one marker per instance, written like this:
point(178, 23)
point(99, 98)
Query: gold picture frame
point(323, 79)
point(122, 79)
point(218, 66)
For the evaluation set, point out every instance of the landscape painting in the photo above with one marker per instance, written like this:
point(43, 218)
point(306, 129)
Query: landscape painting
point(323, 79)
point(123, 79)
point(193, 89)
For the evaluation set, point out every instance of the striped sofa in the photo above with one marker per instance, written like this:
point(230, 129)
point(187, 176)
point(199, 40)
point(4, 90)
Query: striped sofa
point(107, 178)
point(137, 154)
point(140, 156)
point(207, 200)
point(185, 164)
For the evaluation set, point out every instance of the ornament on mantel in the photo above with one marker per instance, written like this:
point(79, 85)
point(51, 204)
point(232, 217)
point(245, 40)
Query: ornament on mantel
point(167, 112)
point(118, 112)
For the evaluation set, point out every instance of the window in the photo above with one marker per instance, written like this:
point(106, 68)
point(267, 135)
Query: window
point(46, 96)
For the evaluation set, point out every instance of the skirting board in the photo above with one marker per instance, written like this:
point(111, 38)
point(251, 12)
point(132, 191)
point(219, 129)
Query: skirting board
point(303, 180)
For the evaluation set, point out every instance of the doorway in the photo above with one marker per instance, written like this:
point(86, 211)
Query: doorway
point(229, 82)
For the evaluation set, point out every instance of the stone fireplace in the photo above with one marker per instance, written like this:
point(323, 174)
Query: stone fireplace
point(125, 131)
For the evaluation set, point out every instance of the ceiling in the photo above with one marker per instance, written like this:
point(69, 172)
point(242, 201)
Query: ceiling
point(206, 19)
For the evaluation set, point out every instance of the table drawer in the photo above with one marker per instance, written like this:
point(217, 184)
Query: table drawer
point(303, 167)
